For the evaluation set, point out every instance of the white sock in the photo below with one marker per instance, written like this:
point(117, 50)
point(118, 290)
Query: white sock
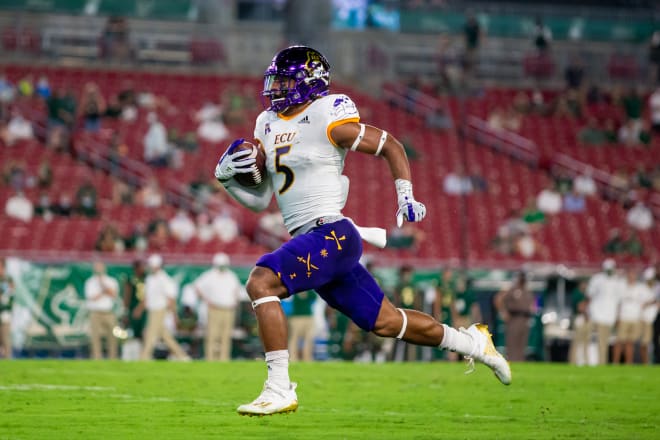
point(278, 368)
point(457, 341)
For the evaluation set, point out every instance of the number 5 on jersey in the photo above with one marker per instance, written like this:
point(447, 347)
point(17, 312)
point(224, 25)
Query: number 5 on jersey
point(288, 172)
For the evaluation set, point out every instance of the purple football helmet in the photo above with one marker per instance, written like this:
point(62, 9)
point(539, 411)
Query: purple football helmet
point(296, 75)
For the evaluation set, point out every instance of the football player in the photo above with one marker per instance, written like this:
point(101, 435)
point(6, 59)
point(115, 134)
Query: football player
point(306, 133)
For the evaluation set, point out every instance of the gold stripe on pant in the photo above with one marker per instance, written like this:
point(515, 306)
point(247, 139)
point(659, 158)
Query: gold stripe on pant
point(101, 325)
point(218, 333)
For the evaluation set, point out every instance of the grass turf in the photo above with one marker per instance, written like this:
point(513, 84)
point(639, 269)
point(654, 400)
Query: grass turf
point(113, 400)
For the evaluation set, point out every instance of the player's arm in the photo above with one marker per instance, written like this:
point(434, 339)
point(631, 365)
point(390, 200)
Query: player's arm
point(372, 140)
point(231, 163)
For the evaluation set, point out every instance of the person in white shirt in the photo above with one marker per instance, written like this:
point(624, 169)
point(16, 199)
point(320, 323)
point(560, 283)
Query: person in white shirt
point(156, 146)
point(654, 107)
point(604, 292)
point(549, 201)
point(101, 292)
point(584, 184)
point(220, 289)
point(19, 207)
point(650, 293)
point(159, 299)
point(629, 319)
point(18, 129)
point(640, 217)
point(182, 227)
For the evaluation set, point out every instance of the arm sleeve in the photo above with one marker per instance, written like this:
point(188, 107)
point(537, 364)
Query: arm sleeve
point(256, 199)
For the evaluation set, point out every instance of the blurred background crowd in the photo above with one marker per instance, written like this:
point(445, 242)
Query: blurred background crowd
point(533, 131)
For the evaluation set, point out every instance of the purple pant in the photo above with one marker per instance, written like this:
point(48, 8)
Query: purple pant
point(326, 259)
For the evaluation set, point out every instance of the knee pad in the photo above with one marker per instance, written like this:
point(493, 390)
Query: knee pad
point(265, 299)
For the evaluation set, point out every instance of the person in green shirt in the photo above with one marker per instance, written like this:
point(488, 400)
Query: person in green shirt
point(406, 296)
point(134, 318)
point(301, 326)
point(581, 333)
point(6, 304)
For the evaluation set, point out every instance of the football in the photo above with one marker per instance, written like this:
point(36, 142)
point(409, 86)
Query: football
point(259, 174)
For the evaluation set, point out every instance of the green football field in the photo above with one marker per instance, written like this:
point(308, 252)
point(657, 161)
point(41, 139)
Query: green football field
point(166, 400)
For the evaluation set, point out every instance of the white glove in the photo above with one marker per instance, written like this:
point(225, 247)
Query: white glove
point(409, 208)
point(232, 163)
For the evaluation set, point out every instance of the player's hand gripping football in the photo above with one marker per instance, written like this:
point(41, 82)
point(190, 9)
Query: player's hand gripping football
point(232, 163)
point(409, 208)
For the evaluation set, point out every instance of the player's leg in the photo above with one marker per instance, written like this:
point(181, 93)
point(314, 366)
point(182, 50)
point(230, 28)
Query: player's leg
point(265, 289)
point(357, 295)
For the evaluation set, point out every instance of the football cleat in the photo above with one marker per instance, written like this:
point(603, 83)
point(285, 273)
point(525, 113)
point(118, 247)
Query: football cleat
point(272, 400)
point(484, 351)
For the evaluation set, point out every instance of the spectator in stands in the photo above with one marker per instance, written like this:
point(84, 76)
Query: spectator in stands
point(158, 233)
point(43, 207)
point(604, 292)
point(580, 323)
point(574, 73)
point(472, 37)
point(573, 202)
point(127, 98)
point(211, 127)
point(205, 231)
point(156, 147)
point(633, 244)
point(160, 294)
point(457, 183)
point(549, 201)
point(42, 87)
point(515, 306)
point(220, 288)
point(650, 297)
point(92, 107)
point(629, 318)
point(7, 91)
point(630, 133)
point(584, 184)
point(25, 86)
point(62, 108)
point(137, 239)
point(44, 174)
point(270, 231)
point(151, 195)
point(615, 243)
point(109, 240)
point(654, 58)
point(640, 217)
point(63, 207)
point(19, 207)
point(235, 104)
point(115, 42)
point(86, 199)
point(226, 227)
point(18, 129)
point(16, 176)
point(592, 133)
point(542, 37)
point(101, 292)
point(181, 226)
point(654, 109)
point(123, 193)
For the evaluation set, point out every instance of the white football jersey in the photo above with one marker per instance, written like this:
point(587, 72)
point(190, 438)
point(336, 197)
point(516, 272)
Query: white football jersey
point(304, 165)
